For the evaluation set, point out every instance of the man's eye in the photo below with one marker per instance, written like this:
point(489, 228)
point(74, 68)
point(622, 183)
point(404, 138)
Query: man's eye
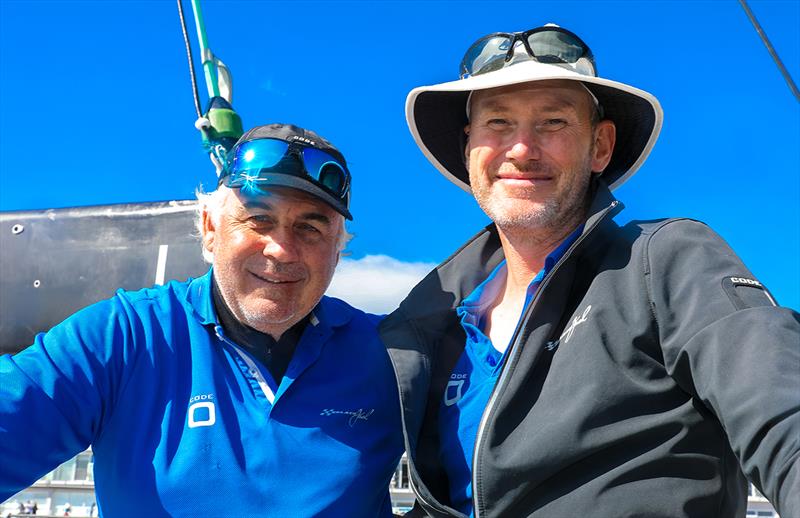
point(307, 227)
point(552, 124)
point(260, 218)
point(498, 123)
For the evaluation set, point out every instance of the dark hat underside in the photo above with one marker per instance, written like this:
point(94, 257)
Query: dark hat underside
point(301, 184)
point(441, 117)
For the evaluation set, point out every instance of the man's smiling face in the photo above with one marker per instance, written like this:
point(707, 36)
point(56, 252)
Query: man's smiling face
point(531, 152)
point(274, 254)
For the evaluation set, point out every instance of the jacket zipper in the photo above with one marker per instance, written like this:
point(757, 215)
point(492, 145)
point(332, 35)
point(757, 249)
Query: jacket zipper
point(415, 490)
point(513, 349)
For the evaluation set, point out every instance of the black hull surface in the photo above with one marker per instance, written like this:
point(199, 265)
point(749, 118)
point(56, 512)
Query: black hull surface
point(57, 261)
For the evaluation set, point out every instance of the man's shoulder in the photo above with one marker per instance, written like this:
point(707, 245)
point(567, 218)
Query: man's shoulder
point(163, 302)
point(342, 313)
point(126, 302)
point(668, 231)
point(157, 293)
point(653, 225)
point(354, 330)
point(664, 228)
point(652, 238)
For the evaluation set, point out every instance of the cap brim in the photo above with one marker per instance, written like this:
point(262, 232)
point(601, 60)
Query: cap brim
point(436, 116)
point(295, 182)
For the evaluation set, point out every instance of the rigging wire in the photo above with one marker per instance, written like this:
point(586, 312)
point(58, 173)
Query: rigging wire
point(191, 63)
point(771, 49)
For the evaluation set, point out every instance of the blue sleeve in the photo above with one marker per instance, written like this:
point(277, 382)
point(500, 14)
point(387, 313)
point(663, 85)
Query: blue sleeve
point(56, 394)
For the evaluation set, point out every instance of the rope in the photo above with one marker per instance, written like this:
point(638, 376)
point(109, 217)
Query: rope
point(191, 63)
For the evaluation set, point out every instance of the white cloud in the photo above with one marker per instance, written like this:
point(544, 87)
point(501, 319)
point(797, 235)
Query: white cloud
point(376, 283)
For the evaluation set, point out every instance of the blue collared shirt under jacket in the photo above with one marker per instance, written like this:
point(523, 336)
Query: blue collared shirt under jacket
point(183, 422)
point(475, 375)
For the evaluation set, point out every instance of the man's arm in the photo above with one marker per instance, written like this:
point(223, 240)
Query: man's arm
point(725, 342)
point(55, 394)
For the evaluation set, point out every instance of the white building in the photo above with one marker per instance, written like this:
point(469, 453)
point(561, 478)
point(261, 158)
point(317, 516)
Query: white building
point(69, 486)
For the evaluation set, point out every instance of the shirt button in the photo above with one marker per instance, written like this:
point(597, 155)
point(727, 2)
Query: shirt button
point(492, 361)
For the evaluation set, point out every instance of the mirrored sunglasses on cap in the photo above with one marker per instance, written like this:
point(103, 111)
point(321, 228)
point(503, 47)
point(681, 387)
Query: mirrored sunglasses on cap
point(549, 44)
point(252, 162)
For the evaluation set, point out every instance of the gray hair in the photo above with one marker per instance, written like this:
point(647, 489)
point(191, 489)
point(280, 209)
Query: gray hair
point(212, 202)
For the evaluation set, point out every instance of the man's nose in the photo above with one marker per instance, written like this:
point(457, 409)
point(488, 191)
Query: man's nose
point(524, 145)
point(281, 245)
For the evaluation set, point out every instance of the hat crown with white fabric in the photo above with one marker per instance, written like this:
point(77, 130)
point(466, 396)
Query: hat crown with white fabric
point(437, 115)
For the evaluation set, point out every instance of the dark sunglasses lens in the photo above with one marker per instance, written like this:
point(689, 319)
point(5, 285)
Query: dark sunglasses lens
point(255, 155)
point(486, 55)
point(326, 170)
point(556, 47)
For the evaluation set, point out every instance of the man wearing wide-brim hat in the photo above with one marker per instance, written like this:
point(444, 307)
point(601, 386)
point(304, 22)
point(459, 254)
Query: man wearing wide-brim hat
point(562, 365)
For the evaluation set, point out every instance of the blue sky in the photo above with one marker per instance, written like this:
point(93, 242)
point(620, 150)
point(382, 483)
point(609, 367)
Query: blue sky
point(97, 108)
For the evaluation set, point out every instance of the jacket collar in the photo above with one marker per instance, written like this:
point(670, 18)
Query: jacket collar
point(448, 284)
point(603, 205)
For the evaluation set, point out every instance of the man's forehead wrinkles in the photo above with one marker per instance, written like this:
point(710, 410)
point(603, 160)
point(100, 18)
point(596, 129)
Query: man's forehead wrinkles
point(309, 213)
point(492, 103)
point(256, 204)
point(270, 200)
point(550, 100)
point(548, 107)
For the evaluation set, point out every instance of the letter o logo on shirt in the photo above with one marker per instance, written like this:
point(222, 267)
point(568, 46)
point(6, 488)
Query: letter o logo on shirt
point(451, 397)
point(202, 419)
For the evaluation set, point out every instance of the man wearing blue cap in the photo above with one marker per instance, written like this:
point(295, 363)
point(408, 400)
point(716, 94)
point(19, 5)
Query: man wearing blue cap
point(561, 365)
point(245, 392)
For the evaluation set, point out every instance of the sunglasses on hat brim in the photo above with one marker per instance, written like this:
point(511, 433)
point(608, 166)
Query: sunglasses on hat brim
point(550, 44)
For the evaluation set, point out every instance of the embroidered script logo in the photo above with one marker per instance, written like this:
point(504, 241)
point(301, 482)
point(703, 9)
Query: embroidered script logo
point(355, 415)
point(568, 332)
point(578, 320)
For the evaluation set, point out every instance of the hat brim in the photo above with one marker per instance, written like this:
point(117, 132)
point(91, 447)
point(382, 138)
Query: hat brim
point(436, 116)
point(301, 184)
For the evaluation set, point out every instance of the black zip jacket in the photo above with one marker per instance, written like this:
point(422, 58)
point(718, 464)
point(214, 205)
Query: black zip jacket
point(648, 376)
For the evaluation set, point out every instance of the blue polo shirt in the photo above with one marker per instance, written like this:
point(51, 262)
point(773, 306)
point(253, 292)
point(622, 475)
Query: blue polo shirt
point(474, 376)
point(184, 422)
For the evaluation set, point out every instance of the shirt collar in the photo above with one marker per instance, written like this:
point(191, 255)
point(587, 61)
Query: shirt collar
point(200, 299)
point(331, 312)
point(487, 291)
point(554, 256)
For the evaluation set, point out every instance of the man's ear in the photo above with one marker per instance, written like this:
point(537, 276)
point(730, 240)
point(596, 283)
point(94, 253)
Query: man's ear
point(209, 230)
point(605, 136)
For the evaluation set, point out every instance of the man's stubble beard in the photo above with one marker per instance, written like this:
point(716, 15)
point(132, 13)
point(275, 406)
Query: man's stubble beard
point(563, 210)
point(252, 313)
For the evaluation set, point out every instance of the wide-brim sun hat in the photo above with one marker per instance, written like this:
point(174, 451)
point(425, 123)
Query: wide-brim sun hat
point(437, 115)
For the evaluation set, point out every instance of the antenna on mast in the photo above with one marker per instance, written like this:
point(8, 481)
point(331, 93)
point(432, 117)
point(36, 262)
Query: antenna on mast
point(220, 126)
point(771, 49)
